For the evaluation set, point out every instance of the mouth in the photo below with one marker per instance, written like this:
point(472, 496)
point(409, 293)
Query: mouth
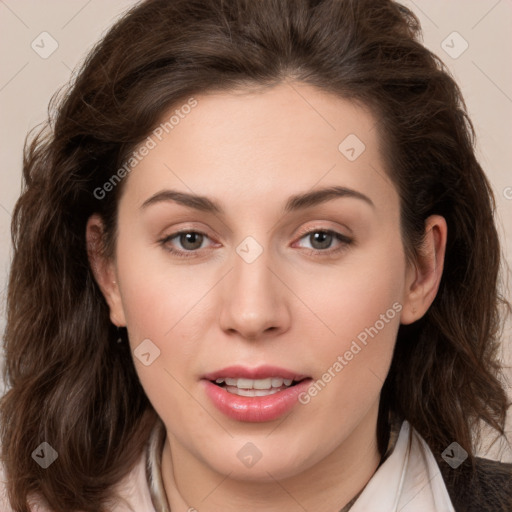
point(255, 394)
point(256, 387)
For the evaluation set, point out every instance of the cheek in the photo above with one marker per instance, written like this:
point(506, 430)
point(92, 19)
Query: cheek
point(357, 306)
point(352, 358)
point(353, 295)
point(156, 293)
point(159, 301)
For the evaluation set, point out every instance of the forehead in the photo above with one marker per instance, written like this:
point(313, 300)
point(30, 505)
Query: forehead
point(246, 143)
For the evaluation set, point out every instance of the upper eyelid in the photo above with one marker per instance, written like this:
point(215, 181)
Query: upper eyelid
point(313, 229)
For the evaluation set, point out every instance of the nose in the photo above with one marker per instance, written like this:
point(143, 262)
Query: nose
point(254, 299)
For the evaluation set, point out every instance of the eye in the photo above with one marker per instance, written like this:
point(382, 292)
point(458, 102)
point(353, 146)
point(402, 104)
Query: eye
point(189, 240)
point(321, 241)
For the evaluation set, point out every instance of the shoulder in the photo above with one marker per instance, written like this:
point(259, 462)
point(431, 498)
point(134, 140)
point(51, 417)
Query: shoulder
point(5, 504)
point(484, 486)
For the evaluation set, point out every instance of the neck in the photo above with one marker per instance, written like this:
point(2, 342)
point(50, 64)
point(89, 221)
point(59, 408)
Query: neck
point(327, 486)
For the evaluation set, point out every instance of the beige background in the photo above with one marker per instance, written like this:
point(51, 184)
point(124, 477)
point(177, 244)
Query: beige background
point(27, 81)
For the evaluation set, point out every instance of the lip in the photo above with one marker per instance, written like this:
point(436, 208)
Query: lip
point(260, 372)
point(255, 409)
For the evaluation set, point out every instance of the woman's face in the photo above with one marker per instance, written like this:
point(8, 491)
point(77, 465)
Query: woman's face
point(276, 277)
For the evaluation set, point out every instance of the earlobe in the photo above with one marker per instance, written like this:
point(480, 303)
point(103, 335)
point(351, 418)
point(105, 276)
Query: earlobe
point(103, 269)
point(424, 277)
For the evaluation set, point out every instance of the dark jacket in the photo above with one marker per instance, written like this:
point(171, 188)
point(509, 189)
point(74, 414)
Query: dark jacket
point(487, 489)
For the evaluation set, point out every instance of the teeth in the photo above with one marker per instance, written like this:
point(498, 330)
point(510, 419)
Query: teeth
point(258, 384)
point(252, 392)
point(255, 384)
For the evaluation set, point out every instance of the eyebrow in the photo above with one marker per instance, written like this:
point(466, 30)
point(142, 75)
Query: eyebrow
point(294, 203)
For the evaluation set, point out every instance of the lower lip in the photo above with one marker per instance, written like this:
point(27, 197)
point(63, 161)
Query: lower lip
point(255, 408)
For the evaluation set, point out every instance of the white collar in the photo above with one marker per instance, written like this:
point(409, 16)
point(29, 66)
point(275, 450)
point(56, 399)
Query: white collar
point(408, 481)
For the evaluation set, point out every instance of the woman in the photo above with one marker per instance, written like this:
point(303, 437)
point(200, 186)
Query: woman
point(255, 268)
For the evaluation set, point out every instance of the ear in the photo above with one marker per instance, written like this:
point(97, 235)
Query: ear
point(424, 275)
point(104, 269)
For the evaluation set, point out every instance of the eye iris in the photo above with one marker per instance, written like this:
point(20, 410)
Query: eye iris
point(191, 238)
point(322, 237)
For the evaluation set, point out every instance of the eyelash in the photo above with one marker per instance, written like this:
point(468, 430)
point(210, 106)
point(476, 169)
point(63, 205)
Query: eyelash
point(345, 242)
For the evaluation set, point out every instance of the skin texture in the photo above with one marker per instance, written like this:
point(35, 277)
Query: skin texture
point(291, 307)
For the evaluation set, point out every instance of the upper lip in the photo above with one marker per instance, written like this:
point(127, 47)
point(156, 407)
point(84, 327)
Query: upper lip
point(260, 372)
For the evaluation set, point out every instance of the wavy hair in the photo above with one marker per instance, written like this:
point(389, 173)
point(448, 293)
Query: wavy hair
point(70, 383)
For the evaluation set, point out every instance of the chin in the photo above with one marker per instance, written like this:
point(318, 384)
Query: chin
point(254, 465)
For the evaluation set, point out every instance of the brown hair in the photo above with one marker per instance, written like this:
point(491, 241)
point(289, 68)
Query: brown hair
point(73, 386)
